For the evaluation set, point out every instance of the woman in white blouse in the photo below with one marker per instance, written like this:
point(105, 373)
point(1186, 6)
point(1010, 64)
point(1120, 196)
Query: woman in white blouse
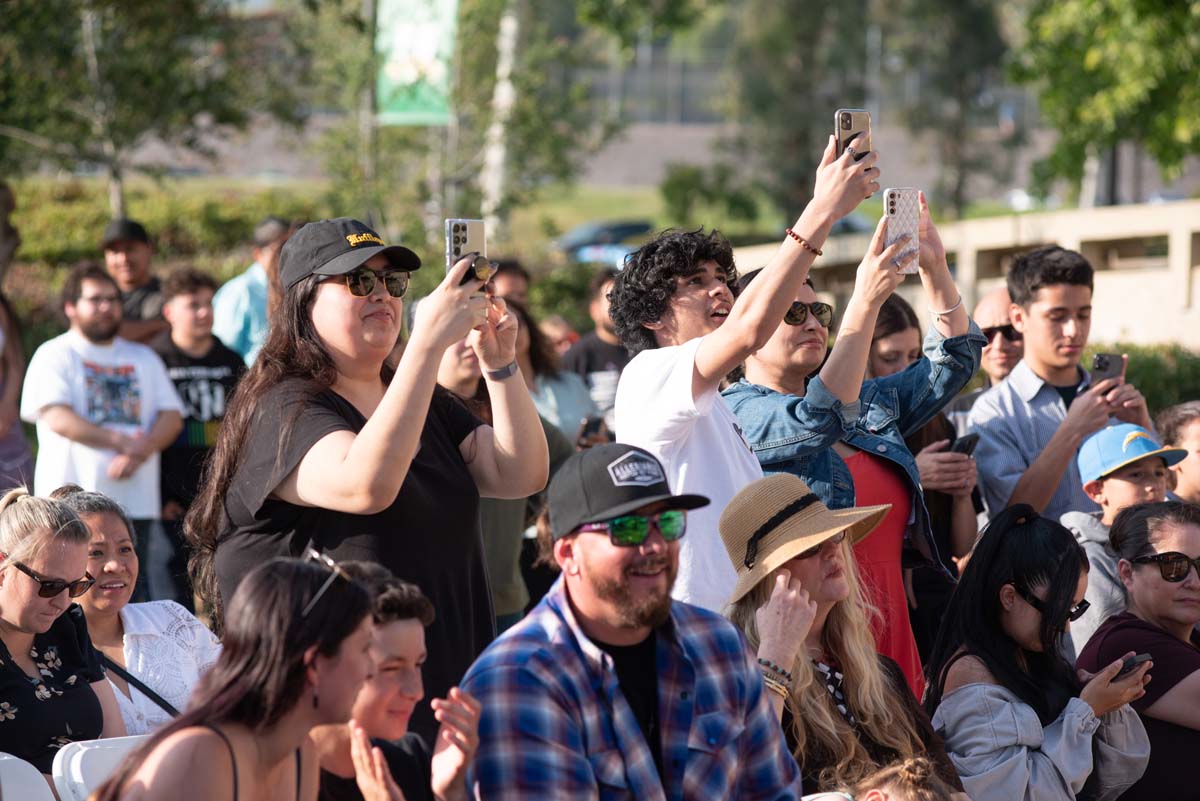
point(159, 643)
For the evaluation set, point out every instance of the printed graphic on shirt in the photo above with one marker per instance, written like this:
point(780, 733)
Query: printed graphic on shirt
point(202, 390)
point(114, 394)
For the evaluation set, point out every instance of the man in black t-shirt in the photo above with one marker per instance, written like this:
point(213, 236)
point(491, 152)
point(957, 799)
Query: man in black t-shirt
point(127, 254)
point(599, 357)
point(204, 372)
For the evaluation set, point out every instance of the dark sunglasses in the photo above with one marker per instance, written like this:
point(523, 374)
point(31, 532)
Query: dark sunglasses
point(49, 588)
point(313, 555)
point(1172, 565)
point(627, 531)
point(836, 539)
point(1077, 611)
point(798, 313)
point(361, 281)
point(1009, 333)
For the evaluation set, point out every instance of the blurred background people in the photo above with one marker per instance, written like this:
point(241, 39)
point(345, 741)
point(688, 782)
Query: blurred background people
point(241, 305)
point(127, 255)
point(599, 357)
point(1179, 427)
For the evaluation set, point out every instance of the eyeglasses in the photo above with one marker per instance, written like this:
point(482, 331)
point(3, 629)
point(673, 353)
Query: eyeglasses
point(1172, 565)
point(1077, 611)
point(100, 300)
point(628, 531)
point(798, 313)
point(49, 588)
point(361, 281)
point(836, 539)
point(1009, 333)
point(313, 555)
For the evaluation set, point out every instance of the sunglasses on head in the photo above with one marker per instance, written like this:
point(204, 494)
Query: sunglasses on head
point(1172, 565)
point(836, 539)
point(798, 313)
point(1009, 333)
point(1074, 613)
point(313, 555)
point(49, 588)
point(630, 530)
point(361, 281)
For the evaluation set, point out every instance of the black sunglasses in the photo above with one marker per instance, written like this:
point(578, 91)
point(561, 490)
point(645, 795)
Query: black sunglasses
point(1077, 611)
point(361, 281)
point(49, 588)
point(1007, 331)
point(631, 530)
point(836, 539)
point(798, 313)
point(1172, 565)
point(313, 555)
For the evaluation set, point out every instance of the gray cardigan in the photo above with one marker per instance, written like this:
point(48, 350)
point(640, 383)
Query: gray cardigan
point(1003, 753)
point(1104, 590)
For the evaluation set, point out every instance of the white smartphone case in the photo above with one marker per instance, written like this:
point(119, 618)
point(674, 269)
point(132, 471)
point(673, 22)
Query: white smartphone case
point(903, 212)
point(463, 237)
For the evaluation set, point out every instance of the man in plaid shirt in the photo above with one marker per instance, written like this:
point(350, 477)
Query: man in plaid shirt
point(608, 688)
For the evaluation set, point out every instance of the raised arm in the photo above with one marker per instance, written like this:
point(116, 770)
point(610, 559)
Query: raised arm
point(841, 184)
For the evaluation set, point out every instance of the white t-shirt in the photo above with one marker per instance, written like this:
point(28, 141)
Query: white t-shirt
point(121, 387)
point(702, 448)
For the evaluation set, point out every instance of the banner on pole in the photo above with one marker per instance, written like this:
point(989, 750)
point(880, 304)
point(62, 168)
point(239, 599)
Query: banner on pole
point(415, 41)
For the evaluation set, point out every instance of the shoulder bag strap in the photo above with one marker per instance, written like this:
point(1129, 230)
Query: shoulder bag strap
point(141, 687)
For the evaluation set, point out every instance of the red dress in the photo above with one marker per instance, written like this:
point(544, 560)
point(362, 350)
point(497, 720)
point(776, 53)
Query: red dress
point(878, 481)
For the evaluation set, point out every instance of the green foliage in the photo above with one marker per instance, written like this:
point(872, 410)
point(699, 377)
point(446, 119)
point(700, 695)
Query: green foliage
point(563, 292)
point(1165, 374)
point(86, 81)
point(720, 189)
point(628, 18)
point(1109, 71)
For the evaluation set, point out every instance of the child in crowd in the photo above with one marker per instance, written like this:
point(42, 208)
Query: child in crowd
point(1120, 466)
point(913, 779)
point(1179, 427)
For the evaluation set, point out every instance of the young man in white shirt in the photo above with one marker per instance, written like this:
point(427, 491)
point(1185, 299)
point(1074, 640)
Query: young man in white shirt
point(104, 408)
point(674, 309)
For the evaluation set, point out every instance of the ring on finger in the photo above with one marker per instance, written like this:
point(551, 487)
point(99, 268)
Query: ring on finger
point(850, 149)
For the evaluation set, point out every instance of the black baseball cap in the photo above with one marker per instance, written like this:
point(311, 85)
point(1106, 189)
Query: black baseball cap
point(608, 481)
point(335, 247)
point(124, 229)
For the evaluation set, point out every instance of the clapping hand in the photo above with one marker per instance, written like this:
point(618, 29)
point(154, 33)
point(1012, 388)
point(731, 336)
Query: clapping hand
point(457, 739)
point(371, 772)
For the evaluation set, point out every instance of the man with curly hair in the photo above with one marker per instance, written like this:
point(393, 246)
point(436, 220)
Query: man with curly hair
point(674, 308)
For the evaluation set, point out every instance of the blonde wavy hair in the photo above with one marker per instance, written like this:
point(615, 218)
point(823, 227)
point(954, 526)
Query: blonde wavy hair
point(913, 779)
point(847, 638)
point(29, 525)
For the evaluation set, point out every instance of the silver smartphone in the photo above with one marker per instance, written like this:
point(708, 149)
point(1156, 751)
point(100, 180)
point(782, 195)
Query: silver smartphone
point(903, 209)
point(468, 236)
point(849, 123)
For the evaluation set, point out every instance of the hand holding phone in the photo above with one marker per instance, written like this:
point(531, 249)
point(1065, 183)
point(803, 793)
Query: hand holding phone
point(852, 128)
point(965, 444)
point(903, 212)
point(1107, 365)
point(1131, 664)
point(464, 237)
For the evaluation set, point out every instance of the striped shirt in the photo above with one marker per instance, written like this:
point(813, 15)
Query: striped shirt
point(1015, 419)
point(556, 726)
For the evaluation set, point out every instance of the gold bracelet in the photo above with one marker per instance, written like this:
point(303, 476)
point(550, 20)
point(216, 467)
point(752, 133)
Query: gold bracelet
point(776, 686)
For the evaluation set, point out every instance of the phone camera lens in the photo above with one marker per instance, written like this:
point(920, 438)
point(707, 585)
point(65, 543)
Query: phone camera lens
point(846, 121)
point(457, 227)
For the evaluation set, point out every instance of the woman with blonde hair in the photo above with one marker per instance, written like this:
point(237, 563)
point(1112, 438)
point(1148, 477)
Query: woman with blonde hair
point(846, 711)
point(52, 687)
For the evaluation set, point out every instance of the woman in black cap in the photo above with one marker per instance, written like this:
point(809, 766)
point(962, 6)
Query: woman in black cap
point(324, 444)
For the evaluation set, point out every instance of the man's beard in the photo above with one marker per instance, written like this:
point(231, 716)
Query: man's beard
point(636, 612)
point(99, 331)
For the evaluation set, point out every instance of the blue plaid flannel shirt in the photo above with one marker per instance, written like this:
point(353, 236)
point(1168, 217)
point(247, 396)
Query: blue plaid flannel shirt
point(555, 724)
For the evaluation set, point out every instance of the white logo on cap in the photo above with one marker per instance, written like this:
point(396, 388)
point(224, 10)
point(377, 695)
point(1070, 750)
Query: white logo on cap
point(635, 470)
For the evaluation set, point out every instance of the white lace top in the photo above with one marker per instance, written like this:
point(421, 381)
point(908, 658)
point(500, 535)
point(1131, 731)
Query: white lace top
point(168, 649)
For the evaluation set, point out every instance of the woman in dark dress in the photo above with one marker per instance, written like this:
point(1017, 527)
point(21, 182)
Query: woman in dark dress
point(324, 444)
point(52, 687)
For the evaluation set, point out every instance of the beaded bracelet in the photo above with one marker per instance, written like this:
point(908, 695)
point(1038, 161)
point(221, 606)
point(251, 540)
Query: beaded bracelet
point(804, 243)
point(776, 686)
point(786, 675)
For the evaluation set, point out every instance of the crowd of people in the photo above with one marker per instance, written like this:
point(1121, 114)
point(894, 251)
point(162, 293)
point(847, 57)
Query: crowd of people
point(718, 547)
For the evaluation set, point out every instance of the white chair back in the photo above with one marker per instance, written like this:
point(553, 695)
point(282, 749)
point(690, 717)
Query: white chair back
point(80, 768)
point(21, 780)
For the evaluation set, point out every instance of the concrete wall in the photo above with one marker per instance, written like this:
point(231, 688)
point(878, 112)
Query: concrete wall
point(1147, 260)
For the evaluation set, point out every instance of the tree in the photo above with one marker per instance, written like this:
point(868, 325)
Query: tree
point(88, 81)
point(956, 50)
point(1109, 71)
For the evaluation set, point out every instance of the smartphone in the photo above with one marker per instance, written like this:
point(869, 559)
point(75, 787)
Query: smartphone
point(965, 444)
point(1131, 664)
point(849, 123)
point(903, 210)
point(468, 236)
point(1107, 365)
point(590, 427)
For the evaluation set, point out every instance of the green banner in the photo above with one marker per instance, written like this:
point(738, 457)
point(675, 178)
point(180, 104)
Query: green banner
point(415, 40)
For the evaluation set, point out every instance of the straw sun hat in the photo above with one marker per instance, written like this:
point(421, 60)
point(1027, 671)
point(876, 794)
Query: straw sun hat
point(777, 518)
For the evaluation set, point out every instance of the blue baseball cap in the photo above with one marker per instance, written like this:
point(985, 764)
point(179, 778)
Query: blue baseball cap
point(1110, 449)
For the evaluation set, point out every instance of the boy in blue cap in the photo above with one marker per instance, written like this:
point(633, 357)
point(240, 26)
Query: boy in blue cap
point(1120, 466)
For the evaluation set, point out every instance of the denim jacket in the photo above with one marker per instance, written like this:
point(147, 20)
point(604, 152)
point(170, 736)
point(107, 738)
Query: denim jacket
point(796, 434)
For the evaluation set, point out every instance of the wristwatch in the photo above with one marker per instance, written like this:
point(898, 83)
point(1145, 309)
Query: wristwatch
point(503, 373)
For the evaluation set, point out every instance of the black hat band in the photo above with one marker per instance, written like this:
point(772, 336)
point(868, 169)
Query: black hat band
point(791, 510)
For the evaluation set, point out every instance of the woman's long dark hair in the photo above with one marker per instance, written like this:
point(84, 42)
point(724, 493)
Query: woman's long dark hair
point(1021, 548)
point(260, 675)
point(542, 356)
point(293, 350)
